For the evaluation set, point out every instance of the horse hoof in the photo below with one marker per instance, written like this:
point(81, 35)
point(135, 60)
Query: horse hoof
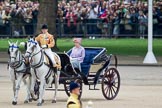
point(25, 102)
point(42, 100)
point(53, 101)
point(30, 100)
point(39, 104)
point(35, 99)
point(14, 103)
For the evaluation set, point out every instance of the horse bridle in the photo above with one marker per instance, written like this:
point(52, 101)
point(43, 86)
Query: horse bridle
point(35, 43)
point(12, 50)
point(30, 55)
point(19, 62)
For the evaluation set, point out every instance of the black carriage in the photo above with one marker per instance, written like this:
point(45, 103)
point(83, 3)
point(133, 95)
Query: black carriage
point(96, 69)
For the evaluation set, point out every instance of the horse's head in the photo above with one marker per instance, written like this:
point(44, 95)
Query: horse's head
point(13, 50)
point(32, 47)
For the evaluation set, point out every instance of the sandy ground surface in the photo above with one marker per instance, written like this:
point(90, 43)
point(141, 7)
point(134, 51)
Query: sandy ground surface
point(141, 87)
point(122, 60)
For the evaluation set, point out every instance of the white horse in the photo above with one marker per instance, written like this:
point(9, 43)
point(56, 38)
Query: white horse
point(18, 71)
point(40, 70)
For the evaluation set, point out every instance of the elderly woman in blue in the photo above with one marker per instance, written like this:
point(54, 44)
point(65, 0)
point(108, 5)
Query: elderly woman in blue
point(78, 53)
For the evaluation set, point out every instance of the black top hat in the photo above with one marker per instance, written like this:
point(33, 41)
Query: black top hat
point(44, 26)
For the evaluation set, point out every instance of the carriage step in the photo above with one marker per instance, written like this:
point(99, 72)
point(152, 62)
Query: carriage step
point(92, 88)
point(90, 75)
point(91, 83)
point(90, 79)
point(93, 75)
point(52, 89)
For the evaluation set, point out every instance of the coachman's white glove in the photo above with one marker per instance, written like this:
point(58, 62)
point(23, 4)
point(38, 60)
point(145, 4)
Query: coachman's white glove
point(44, 46)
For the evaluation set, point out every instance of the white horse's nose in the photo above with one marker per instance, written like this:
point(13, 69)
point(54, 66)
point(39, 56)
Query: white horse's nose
point(12, 60)
point(26, 55)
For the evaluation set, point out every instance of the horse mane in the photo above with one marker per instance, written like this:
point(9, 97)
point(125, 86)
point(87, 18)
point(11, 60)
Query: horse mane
point(25, 46)
point(8, 51)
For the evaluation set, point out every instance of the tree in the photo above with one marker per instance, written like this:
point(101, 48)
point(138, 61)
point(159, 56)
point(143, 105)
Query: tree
point(47, 15)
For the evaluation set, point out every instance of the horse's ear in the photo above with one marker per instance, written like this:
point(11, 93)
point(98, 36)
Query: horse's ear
point(28, 37)
point(17, 42)
point(9, 42)
point(34, 38)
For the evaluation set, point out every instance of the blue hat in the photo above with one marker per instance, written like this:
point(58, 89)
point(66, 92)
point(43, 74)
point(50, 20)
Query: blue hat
point(73, 85)
point(44, 26)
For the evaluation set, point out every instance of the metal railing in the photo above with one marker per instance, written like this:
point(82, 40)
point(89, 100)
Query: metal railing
point(86, 29)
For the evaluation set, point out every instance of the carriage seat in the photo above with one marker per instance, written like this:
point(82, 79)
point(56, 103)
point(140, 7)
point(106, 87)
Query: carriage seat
point(88, 60)
point(90, 53)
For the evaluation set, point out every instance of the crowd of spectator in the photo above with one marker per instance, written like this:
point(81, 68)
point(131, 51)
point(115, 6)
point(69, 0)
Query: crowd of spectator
point(83, 16)
point(105, 16)
point(22, 15)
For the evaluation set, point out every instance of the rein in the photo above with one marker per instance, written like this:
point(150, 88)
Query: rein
point(18, 63)
point(40, 63)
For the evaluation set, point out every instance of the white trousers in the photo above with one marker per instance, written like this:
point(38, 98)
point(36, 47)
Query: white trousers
point(49, 52)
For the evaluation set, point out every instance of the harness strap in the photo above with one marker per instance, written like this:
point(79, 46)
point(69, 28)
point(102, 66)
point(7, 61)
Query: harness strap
point(19, 62)
point(39, 63)
point(48, 74)
point(36, 73)
point(15, 75)
point(18, 65)
point(50, 61)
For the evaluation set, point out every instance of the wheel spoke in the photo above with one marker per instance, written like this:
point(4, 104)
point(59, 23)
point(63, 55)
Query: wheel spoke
point(106, 90)
point(106, 79)
point(113, 80)
point(113, 90)
point(108, 73)
point(111, 93)
point(106, 82)
point(114, 86)
point(115, 83)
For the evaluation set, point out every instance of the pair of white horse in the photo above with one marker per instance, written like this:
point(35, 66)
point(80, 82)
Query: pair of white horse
point(38, 70)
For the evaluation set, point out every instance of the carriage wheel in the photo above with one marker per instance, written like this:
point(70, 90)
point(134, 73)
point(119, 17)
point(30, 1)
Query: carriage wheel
point(67, 84)
point(110, 83)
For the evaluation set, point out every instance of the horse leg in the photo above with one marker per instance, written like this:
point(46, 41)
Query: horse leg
point(41, 91)
point(57, 76)
point(18, 82)
point(50, 80)
point(33, 81)
point(13, 88)
point(28, 98)
point(12, 77)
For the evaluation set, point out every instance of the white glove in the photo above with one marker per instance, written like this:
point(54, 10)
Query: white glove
point(70, 58)
point(22, 44)
point(44, 46)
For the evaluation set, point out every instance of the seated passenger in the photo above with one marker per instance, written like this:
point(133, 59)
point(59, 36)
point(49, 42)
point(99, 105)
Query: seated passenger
point(78, 53)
